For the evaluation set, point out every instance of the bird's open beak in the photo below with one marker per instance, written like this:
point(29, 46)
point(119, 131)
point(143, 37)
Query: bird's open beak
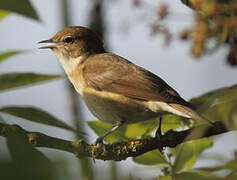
point(49, 46)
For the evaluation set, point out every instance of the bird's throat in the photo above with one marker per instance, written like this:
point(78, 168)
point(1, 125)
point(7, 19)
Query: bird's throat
point(71, 64)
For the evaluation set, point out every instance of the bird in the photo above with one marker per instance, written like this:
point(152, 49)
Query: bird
point(114, 89)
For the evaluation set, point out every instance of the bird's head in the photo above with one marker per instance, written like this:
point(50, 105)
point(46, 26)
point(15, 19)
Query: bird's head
point(73, 42)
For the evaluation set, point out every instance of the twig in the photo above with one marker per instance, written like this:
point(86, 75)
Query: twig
point(116, 151)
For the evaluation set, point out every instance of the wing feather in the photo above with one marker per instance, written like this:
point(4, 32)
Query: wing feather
point(112, 73)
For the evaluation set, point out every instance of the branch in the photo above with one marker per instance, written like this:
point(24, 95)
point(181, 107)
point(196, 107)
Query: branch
point(116, 151)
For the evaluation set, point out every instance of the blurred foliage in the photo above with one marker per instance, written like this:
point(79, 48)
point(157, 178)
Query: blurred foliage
point(208, 173)
point(215, 26)
point(6, 55)
point(22, 7)
point(230, 165)
point(29, 162)
point(35, 115)
point(215, 20)
point(16, 80)
point(219, 105)
point(3, 14)
point(186, 154)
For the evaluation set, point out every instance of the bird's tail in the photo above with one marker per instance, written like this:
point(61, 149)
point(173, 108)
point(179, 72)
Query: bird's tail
point(190, 113)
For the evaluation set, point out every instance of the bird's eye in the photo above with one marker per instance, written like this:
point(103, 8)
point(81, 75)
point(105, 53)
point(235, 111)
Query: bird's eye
point(69, 40)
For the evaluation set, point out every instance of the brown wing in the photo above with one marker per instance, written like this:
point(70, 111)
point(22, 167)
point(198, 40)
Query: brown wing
point(112, 73)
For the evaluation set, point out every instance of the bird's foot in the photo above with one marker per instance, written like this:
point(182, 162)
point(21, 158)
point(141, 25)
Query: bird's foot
point(158, 134)
point(99, 141)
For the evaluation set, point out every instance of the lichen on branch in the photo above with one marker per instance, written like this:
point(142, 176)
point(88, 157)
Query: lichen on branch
point(117, 151)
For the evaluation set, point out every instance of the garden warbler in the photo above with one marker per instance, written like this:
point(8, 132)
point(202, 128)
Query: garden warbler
point(114, 89)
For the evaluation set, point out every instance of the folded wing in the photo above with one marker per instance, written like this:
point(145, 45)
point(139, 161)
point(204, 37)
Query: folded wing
point(118, 75)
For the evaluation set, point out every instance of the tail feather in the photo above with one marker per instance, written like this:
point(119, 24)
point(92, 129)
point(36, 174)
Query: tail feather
point(189, 113)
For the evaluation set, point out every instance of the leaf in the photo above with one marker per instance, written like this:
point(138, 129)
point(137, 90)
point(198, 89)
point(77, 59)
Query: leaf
point(194, 176)
point(15, 80)
point(170, 121)
point(188, 152)
point(147, 127)
point(6, 170)
point(220, 105)
point(165, 178)
point(30, 163)
point(100, 128)
point(35, 115)
point(191, 175)
point(3, 14)
point(230, 165)
point(232, 175)
point(198, 101)
point(8, 54)
point(22, 7)
point(151, 158)
point(142, 128)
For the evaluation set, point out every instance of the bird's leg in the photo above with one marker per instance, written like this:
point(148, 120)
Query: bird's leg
point(158, 131)
point(100, 139)
point(159, 134)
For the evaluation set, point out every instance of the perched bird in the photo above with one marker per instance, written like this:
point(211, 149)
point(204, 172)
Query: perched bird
point(114, 89)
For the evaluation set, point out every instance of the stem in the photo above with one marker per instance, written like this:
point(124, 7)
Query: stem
point(85, 164)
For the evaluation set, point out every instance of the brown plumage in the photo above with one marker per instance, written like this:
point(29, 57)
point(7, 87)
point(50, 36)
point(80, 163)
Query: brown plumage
point(120, 76)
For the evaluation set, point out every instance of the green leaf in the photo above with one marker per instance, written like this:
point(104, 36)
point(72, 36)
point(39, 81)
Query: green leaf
point(147, 127)
point(198, 101)
point(22, 7)
point(151, 158)
point(194, 176)
point(220, 105)
point(35, 115)
point(191, 175)
point(230, 165)
point(170, 121)
point(6, 170)
point(30, 163)
point(232, 175)
point(165, 178)
point(142, 128)
point(100, 128)
point(188, 152)
point(3, 14)
point(8, 54)
point(15, 80)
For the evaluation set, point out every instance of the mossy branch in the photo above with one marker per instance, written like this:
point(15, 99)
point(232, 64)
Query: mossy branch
point(116, 151)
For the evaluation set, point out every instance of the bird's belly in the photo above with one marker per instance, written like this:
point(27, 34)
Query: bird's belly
point(112, 108)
